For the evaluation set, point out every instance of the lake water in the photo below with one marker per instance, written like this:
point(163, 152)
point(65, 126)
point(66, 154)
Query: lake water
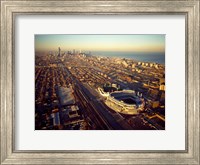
point(143, 57)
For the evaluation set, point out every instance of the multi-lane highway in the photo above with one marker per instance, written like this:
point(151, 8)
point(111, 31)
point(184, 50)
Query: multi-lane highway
point(95, 107)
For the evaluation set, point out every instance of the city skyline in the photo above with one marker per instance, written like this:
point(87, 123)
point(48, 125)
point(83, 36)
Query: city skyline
point(99, 82)
point(154, 43)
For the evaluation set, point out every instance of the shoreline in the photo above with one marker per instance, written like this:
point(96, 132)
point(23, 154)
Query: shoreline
point(131, 58)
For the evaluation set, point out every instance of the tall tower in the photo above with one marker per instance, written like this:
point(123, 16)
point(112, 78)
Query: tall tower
point(59, 51)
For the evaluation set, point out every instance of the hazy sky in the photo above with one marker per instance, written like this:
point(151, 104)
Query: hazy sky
point(127, 43)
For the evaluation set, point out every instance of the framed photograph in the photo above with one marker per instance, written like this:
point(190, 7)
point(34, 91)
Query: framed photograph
point(100, 82)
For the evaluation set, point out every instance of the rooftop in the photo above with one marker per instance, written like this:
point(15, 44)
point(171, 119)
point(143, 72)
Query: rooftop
point(66, 96)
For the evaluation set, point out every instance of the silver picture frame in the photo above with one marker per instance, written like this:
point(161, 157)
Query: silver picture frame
point(9, 10)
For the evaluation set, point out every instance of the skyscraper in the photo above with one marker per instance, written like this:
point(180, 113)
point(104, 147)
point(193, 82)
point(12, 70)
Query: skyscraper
point(59, 51)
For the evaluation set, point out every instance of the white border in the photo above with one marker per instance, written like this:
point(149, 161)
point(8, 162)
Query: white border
point(173, 138)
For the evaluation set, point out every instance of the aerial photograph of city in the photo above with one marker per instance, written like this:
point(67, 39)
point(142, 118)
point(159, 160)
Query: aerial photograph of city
point(99, 82)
